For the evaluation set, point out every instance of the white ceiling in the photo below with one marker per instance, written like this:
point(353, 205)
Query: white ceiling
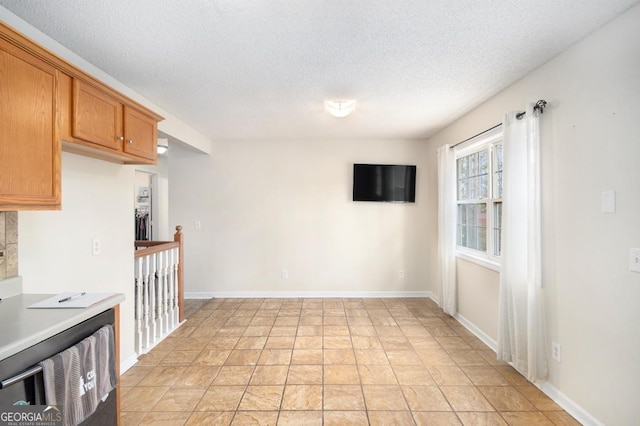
point(243, 69)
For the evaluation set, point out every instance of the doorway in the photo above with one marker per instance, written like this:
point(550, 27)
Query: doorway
point(143, 202)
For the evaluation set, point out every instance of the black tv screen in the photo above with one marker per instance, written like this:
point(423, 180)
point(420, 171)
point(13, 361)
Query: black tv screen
point(384, 182)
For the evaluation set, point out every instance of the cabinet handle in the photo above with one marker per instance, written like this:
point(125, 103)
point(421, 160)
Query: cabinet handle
point(120, 138)
point(24, 375)
point(130, 141)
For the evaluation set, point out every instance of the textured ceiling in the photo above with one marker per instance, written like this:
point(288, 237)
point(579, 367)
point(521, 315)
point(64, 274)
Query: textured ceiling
point(260, 69)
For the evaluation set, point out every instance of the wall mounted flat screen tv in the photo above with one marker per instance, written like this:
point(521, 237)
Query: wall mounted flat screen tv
point(384, 182)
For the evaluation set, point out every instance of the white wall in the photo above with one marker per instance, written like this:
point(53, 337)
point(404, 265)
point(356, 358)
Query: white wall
point(55, 246)
point(590, 143)
point(478, 298)
point(265, 206)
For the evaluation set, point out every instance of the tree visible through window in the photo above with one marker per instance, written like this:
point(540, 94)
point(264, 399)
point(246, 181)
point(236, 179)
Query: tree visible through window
point(479, 176)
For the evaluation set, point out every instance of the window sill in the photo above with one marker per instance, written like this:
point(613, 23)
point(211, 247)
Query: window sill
point(478, 260)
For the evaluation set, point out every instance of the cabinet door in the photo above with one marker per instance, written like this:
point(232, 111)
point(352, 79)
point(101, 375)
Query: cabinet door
point(97, 117)
point(141, 134)
point(29, 142)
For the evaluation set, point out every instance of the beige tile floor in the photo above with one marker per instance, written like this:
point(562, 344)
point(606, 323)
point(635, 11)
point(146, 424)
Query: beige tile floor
point(327, 362)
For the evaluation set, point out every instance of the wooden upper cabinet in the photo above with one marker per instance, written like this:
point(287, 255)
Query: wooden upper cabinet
point(97, 117)
point(120, 131)
point(140, 134)
point(29, 140)
point(48, 105)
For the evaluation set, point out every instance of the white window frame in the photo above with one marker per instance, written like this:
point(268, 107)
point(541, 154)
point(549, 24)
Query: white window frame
point(486, 141)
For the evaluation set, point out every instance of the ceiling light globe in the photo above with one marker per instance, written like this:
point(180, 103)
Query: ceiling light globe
point(340, 109)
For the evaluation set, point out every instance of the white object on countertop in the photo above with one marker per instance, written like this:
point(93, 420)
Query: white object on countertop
point(71, 300)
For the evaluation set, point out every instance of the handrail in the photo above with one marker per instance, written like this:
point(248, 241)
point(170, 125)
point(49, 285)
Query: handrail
point(145, 243)
point(157, 247)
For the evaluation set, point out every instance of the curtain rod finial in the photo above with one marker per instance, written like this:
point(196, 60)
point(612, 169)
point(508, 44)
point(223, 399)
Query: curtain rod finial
point(541, 105)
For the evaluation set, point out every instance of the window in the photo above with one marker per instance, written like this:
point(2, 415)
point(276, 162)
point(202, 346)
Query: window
point(479, 199)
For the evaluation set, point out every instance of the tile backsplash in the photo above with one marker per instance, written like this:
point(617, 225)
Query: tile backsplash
point(8, 244)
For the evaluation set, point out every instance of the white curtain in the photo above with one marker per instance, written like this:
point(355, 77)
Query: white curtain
point(447, 230)
point(521, 332)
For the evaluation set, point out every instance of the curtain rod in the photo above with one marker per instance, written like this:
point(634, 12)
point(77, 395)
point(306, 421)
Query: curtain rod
point(540, 105)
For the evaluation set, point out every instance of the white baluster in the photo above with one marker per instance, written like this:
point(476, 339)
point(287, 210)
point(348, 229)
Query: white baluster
point(138, 305)
point(152, 298)
point(160, 295)
point(146, 261)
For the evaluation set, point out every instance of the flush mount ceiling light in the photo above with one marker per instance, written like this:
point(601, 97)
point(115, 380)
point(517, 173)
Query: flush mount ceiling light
point(340, 108)
point(163, 146)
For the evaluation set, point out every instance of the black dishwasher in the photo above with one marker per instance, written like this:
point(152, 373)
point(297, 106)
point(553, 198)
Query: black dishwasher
point(19, 372)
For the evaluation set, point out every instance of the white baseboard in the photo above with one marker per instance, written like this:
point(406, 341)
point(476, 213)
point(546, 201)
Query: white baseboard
point(477, 332)
point(128, 363)
point(305, 294)
point(569, 405)
point(566, 403)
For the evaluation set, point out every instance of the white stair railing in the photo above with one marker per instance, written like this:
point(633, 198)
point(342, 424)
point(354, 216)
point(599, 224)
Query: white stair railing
point(158, 291)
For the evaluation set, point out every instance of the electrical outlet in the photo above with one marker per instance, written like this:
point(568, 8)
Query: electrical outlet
point(284, 274)
point(556, 351)
point(401, 273)
point(634, 260)
point(96, 247)
point(197, 224)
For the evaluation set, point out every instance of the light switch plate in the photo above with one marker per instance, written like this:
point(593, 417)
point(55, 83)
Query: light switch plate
point(634, 259)
point(608, 202)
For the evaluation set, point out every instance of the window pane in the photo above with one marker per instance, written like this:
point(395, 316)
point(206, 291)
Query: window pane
point(463, 189)
point(472, 229)
point(483, 166)
point(481, 226)
point(473, 172)
point(497, 171)
point(482, 215)
point(462, 230)
point(471, 215)
point(464, 163)
point(472, 188)
point(473, 164)
point(462, 214)
point(463, 178)
point(497, 228)
point(484, 188)
point(482, 238)
point(499, 157)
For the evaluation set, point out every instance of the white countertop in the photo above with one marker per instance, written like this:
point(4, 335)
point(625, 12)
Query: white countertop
point(21, 328)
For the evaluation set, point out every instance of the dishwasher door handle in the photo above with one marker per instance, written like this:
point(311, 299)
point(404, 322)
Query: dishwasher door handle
point(20, 377)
